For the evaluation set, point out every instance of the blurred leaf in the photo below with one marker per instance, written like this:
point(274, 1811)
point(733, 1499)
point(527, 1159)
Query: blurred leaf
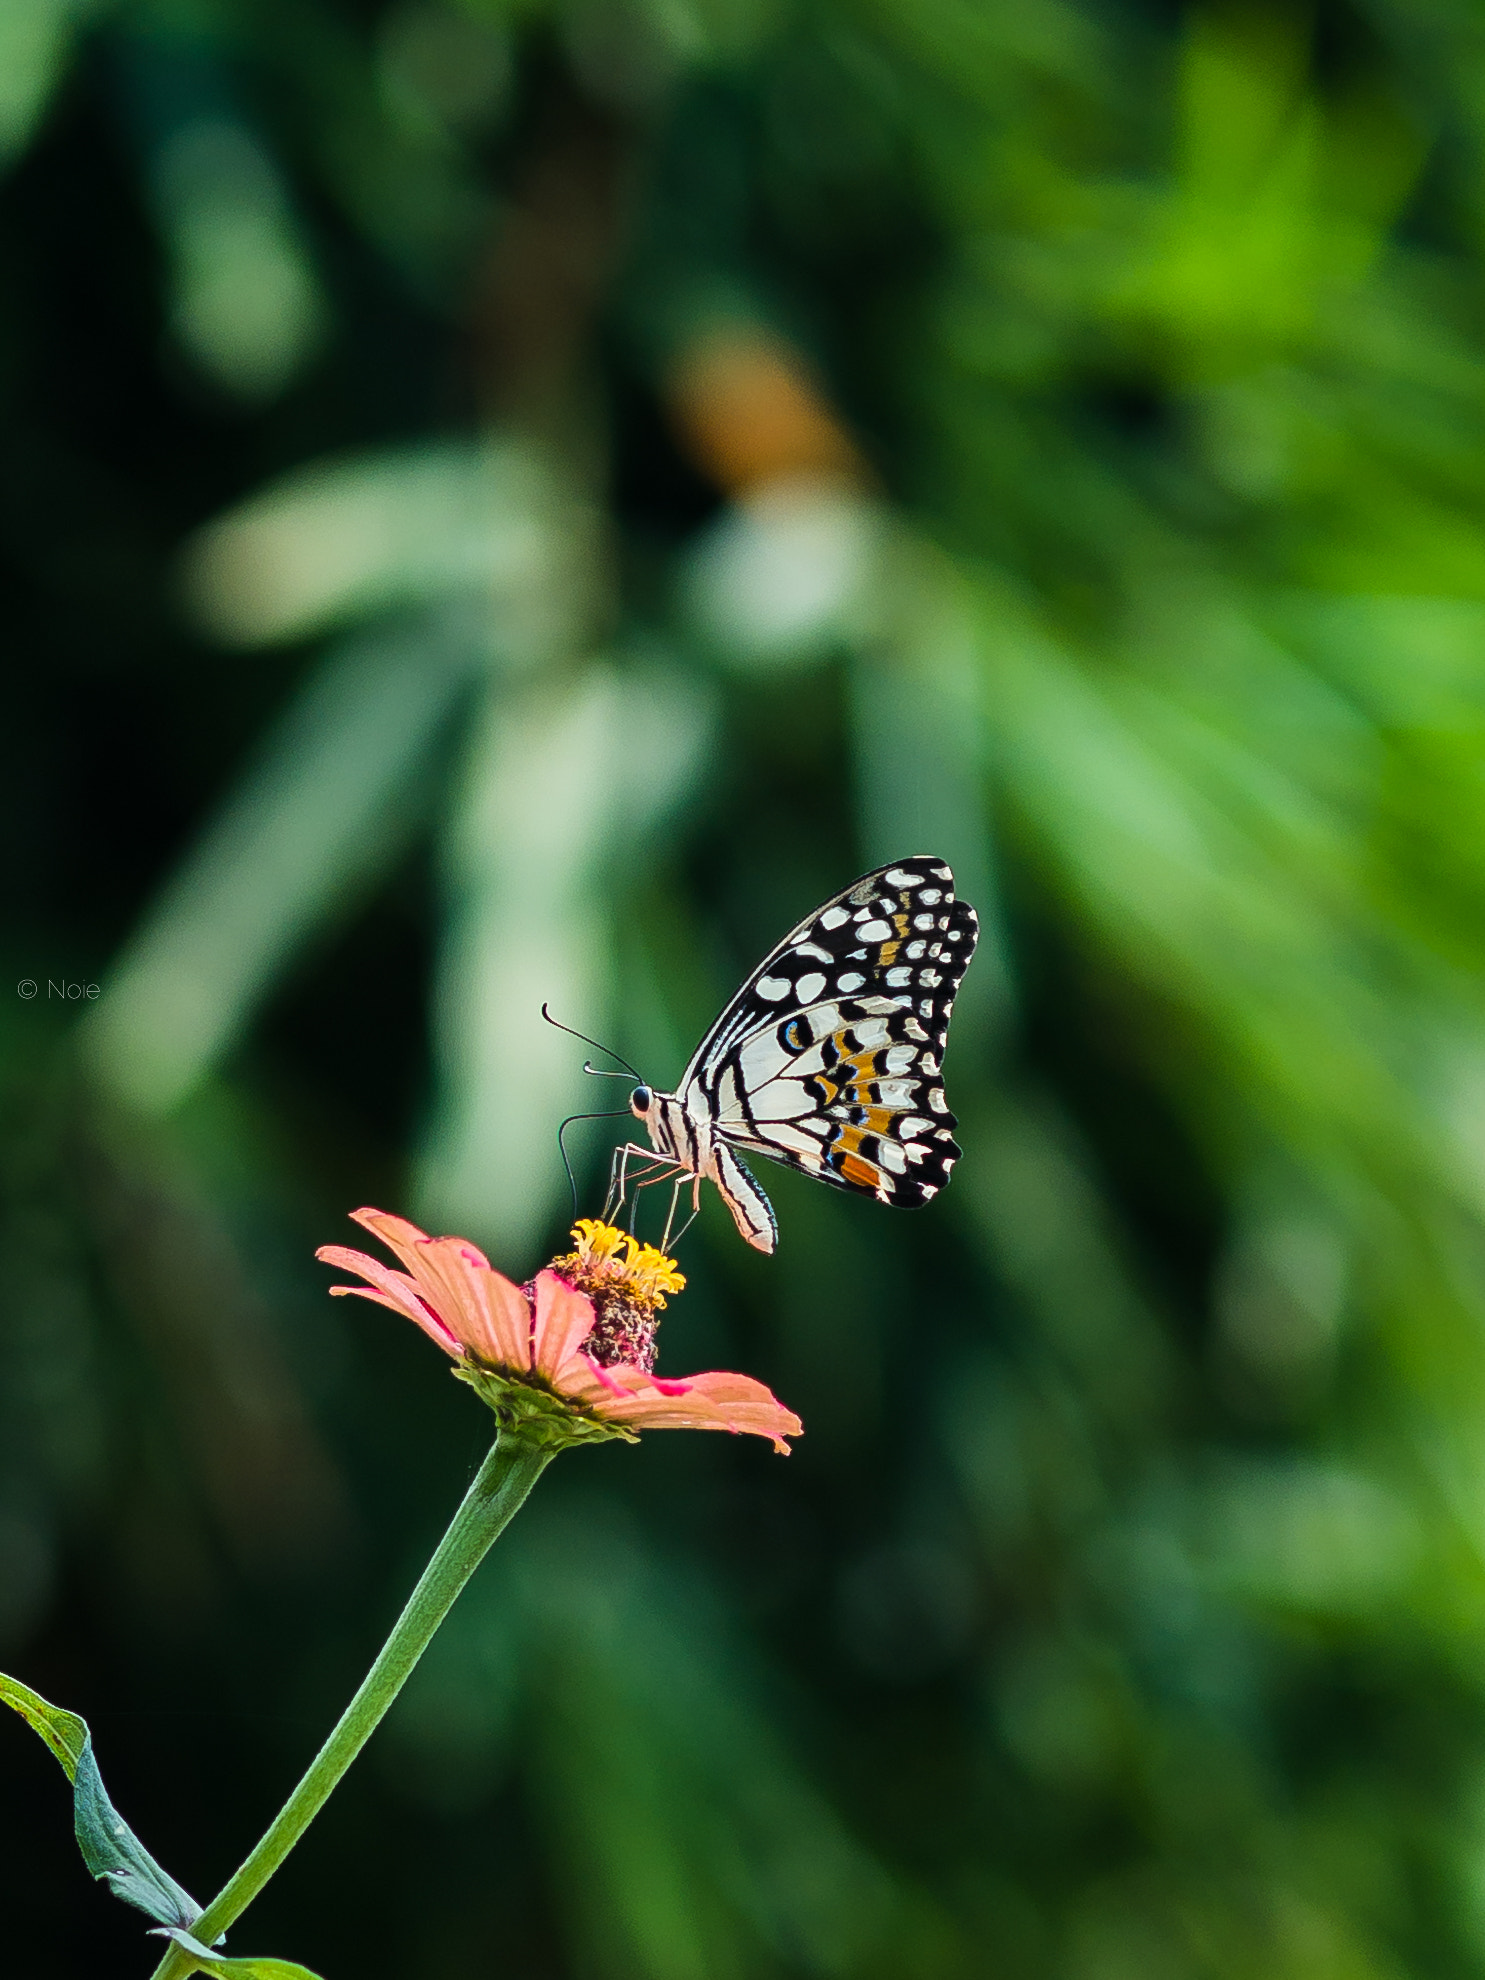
point(658, 1757)
point(787, 575)
point(35, 41)
point(327, 805)
point(488, 525)
point(564, 787)
point(247, 306)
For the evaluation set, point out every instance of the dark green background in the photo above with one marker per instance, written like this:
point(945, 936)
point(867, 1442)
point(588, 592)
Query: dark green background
point(1121, 1615)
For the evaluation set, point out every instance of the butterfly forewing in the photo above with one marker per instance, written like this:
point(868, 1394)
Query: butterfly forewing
point(828, 1059)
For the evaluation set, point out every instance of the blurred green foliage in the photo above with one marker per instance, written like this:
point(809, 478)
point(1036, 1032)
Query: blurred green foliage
point(503, 503)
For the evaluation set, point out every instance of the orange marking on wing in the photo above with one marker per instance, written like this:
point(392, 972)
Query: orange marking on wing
point(857, 1087)
point(855, 1170)
point(900, 923)
point(889, 949)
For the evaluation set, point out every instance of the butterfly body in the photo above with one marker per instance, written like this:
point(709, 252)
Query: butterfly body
point(828, 1058)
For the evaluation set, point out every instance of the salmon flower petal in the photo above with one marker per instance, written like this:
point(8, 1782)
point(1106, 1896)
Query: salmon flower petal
point(388, 1288)
point(564, 1319)
point(716, 1401)
point(536, 1360)
point(479, 1306)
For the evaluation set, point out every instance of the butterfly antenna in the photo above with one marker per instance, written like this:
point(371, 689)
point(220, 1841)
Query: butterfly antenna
point(597, 1047)
point(608, 1114)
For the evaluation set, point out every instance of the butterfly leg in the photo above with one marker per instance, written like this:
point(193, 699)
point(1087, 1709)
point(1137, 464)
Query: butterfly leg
point(618, 1177)
point(664, 1170)
point(651, 1167)
point(673, 1238)
point(675, 1196)
point(617, 1168)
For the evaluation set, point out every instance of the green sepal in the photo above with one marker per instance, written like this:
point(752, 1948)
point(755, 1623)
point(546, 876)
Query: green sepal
point(109, 1846)
point(524, 1407)
point(234, 1969)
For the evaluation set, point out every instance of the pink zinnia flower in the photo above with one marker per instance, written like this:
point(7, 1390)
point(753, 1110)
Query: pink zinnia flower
point(567, 1358)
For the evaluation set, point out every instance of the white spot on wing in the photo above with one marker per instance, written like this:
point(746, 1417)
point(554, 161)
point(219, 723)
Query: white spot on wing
point(852, 980)
point(773, 988)
point(812, 950)
point(834, 917)
point(785, 1100)
point(898, 876)
point(790, 1135)
point(729, 1104)
point(809, 987)
point(875, 931)
point(900, 978)
point(762, 1059)
point(891, 1157)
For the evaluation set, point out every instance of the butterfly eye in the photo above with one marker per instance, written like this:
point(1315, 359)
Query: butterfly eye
point(639, 1102)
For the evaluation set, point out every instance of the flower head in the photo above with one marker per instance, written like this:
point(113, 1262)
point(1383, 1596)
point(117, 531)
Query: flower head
point(567, 1358)
point(627, 1282)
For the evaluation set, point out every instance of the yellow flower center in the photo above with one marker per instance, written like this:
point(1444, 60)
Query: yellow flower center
point(618, 1259)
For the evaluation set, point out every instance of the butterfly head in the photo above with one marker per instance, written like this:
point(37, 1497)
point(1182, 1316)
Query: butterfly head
point(640, 1102)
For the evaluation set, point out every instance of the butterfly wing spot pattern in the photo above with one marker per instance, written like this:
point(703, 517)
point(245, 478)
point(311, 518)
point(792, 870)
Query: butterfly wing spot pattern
point(828, 1058)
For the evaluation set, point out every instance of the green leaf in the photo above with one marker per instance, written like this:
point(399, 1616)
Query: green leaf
point(235, 1969)
point(109, 1846)
point(64, 1732)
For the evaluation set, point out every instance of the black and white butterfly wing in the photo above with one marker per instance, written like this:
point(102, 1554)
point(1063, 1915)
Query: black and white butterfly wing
point(828, 1058)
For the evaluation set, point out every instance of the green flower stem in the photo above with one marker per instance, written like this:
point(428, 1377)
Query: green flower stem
point(506, 1476)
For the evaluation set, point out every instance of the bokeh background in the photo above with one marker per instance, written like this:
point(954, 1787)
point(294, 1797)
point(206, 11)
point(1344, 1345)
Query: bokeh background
point(519, 501)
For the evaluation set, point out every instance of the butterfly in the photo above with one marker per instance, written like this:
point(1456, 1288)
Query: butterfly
point(828, 1058)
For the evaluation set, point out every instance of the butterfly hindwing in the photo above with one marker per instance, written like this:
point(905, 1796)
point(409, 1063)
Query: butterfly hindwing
point(828, 1059)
